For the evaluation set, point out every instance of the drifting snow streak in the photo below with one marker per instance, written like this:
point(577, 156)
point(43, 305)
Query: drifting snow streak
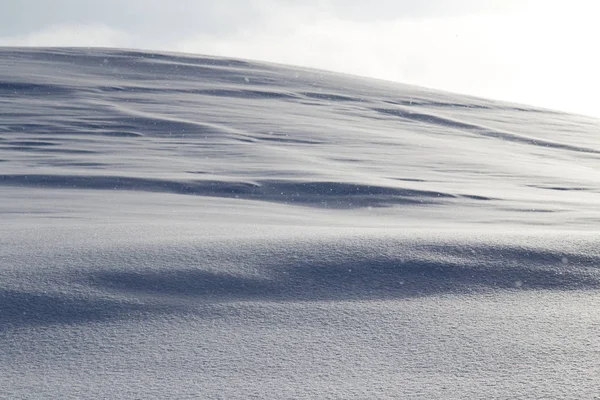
point(213, 228)
point(324, 194)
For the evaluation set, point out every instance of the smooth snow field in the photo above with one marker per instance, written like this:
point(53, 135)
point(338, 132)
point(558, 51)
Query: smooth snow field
point(189, 227)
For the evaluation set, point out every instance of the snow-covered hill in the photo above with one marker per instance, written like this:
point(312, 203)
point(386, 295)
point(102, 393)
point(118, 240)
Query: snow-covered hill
point(177, 226)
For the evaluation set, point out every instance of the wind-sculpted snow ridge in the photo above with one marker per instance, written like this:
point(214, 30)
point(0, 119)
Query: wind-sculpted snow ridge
point(216, 127)
point(180, 226)
point(324, 194)
point(126, 281)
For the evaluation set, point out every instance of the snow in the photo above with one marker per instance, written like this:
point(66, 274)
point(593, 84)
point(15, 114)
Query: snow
point(178, 226)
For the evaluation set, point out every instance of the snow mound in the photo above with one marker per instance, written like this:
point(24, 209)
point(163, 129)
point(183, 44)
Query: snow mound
point(199, 227)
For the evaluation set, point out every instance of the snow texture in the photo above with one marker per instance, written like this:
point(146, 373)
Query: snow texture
point(177, 226)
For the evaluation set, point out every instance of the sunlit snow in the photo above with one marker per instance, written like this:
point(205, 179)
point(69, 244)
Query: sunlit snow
point(178, 226)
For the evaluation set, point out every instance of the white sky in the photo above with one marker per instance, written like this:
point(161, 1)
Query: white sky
point(529, 51)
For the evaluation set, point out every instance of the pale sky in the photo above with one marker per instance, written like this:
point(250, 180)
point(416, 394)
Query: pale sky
point(535, 52)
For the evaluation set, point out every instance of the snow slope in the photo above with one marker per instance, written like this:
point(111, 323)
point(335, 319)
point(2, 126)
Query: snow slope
point(177, 226)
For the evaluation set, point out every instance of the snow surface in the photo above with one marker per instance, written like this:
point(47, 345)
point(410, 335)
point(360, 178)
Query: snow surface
point(176, 226)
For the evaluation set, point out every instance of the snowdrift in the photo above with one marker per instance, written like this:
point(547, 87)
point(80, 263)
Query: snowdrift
point(179, 226)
